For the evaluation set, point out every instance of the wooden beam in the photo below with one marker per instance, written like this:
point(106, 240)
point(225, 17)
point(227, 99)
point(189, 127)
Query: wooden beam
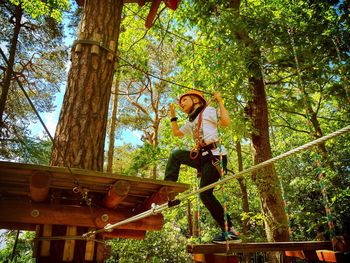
point(116, 194)
point(164, 194)
point(17, 226)
point(124, 233)
point(307, 254)
point(38, 213)
point(39, 186)
point(258, 247)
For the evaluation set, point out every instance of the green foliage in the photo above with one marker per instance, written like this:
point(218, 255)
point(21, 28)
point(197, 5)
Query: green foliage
point(143, 158)
point(24, 247)
point(167, 245)
point(37, 8)
point(211, 57)
point(39, 50)
point(27, 150)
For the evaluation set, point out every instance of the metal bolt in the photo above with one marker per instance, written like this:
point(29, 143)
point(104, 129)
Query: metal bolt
point(35, 213)
point(105, 217)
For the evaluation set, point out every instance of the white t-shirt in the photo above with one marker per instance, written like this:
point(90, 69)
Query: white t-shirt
point(208, 129)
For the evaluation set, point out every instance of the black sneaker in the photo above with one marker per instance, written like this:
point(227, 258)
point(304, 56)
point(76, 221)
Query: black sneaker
point(230, 237)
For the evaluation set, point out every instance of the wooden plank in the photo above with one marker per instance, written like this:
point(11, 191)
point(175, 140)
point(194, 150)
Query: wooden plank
point(332, 256)
point(61, 178)
point(295, 254)
point(39, 213)
point(45, 244)
point(17, 226)
point(69, 245)
point(90, 248)
point(258, 247)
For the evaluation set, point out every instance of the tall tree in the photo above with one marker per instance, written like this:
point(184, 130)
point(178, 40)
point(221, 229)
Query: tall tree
point(81, 130)
point(31, 46)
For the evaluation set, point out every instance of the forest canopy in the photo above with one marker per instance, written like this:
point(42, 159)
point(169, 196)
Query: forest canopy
point(281, 67)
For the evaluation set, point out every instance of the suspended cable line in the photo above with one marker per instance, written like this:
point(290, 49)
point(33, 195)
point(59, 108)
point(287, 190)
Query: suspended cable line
point(155, 209)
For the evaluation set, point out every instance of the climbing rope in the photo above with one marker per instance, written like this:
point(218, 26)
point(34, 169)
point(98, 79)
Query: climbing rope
point(155, 209)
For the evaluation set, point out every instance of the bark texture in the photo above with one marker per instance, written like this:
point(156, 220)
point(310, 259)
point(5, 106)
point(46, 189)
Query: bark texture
point(81, 131)
point(266, 179)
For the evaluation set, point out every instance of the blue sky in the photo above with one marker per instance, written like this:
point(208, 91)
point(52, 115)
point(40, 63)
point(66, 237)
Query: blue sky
point(51, 119)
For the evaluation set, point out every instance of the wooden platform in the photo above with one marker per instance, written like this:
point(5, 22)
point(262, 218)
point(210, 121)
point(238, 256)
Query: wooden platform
point(64, 206)
point(258, 247)
point(315, 251)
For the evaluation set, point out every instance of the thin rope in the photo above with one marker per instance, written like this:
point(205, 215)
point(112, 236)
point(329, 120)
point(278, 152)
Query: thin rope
point(217, 86)
point(199, 234)
point(145, 72)
point(158, 208)
point(316, 157)
point(78, 187)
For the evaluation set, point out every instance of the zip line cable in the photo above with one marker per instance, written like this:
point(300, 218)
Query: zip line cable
point(155, 209)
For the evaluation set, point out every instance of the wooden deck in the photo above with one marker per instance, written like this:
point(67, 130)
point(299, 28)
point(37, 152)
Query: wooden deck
point(314, 251)
point(21, 211)
point(259, 247)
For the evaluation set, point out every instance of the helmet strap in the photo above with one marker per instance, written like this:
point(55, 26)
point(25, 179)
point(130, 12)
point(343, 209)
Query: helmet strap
point(194, 113)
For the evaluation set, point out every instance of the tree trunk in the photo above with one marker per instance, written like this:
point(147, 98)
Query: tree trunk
point(242, 185)
point(113, 123)
point(9, 69)
point(266, 179)
point(81, 130)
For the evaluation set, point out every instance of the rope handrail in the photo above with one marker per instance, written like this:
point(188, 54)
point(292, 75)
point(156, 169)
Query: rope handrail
point(155, 209)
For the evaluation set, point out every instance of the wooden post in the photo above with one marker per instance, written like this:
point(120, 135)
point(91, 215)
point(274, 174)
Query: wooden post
point(116, 194)
point(45, 244)
point(90, 248)
point(69, 245)
point(39, 186)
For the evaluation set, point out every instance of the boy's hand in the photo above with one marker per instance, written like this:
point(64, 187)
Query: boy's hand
point(172, 110)
point(217, 96)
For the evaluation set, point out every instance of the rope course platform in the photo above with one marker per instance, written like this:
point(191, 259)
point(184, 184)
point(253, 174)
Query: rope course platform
point(317, 251)
point(31, 195)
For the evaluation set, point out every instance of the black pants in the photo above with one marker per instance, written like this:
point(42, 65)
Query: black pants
point(209, 175)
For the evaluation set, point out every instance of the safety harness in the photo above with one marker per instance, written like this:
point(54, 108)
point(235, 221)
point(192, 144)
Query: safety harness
point(200, 147)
